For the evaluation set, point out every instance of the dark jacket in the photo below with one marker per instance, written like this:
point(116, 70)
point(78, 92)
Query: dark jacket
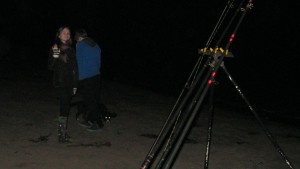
point(65, 71)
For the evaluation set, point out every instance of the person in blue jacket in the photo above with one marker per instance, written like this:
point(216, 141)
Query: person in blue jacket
point(88, 55)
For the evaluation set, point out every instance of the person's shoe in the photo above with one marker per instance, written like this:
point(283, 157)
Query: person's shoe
point(95, 127)
point(85, 123)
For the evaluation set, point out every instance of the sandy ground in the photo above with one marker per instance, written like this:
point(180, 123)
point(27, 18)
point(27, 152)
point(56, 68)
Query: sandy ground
point(28, 140)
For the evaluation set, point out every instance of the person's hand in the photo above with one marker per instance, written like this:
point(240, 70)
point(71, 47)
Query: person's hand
point(74, 90)
point(56, 51)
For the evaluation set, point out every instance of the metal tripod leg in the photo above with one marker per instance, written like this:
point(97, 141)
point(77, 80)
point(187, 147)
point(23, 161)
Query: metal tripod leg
point(267, 132)
point(210, 125)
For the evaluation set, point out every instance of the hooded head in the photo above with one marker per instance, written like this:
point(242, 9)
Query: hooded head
point(80, 33)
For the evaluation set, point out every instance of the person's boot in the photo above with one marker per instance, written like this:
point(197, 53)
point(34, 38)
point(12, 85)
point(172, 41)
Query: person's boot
point(62, 134)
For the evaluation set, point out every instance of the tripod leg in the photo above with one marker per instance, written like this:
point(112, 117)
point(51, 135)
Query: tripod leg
point(210, 125)
point(267, 132)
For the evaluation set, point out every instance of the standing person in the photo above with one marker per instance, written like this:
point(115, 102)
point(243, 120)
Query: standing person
point(62, 61)
point(88, 54)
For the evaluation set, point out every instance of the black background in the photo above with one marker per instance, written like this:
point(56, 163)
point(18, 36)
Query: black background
point(154, 45)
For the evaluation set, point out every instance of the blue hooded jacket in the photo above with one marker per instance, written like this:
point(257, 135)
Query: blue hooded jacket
point(88, 54)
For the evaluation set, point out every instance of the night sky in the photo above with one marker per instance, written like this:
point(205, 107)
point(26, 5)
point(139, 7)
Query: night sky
point(154, 44)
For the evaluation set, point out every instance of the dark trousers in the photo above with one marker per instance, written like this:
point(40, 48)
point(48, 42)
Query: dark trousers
point(89, 91)
point(65, 97)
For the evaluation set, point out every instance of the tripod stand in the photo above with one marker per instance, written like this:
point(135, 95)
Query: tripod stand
point(193, 94)
point(211, 112)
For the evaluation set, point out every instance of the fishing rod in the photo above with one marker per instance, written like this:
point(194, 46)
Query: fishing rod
point(211, 106)
point(182, 117)
point(214, 68)
point(266, 130)
point(183, 97)
point(192, 105)
point(179, 125)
